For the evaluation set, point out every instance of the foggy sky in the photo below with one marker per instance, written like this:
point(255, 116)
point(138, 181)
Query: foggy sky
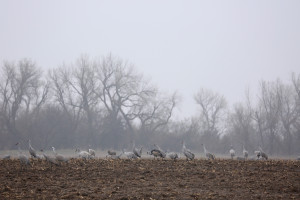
point(225, 46)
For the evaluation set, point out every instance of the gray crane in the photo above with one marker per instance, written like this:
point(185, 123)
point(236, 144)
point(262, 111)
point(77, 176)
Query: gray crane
point(245, 152)
point(172, 155)
point(31, 150)
point(129, 154)
point(51, 160)
point(157, 152)
point(136, 151)
point(263, 154)
point(232, 152)
point(91, 151)
point(111, 153)
point(187, 153)
point(83, 154)
point(161, 151)
point(59, 157)
point(208, 155)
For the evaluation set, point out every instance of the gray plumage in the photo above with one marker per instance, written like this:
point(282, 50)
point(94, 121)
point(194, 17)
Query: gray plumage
point(232, 152)
point(172, 155)
point(92, 152)
point(51, 160)
point(156, 153)
point(31, 150)
point(245, 152)
point(6, 157)
point(83, 154)
point(208, 155)
point(59, 157)
point(130, 155)
point(187, 153)
point(263, 154)
point(111, 153)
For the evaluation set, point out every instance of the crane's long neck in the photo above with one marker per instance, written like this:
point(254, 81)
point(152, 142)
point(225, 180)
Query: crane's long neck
point(204, 149)
point(19, 149)
point(183, 146)
point(53, 149)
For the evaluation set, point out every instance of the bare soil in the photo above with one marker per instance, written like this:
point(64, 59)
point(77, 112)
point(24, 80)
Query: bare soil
point(151, 179)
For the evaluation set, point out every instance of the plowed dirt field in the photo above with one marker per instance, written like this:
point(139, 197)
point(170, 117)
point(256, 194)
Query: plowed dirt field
point(151, 179)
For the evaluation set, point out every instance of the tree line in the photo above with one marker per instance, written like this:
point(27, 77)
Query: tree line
point(106, 103)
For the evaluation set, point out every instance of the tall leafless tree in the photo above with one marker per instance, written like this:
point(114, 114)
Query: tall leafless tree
point(212, 107)
point(22, 92)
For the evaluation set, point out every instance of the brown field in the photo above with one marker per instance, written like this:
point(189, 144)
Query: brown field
point(151, 179)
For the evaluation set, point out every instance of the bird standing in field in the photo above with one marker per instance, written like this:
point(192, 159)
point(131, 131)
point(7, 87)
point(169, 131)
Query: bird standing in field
point(136, 151)
point(31, 150)
point(51, 160)
point(172, 155)
point(129, 154)
point(59, 157)
point(208, 155)
point(187, 153)
point(92, 152)
point(232, 152)
point(263, 154)
point(111, 153)
point(83, 154)
point(157, 152)
point(245, 152)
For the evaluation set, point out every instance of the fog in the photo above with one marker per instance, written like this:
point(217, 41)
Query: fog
point(225, 47)
point(222, 45)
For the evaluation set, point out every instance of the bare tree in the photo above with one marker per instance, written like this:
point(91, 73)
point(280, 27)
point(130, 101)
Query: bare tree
point(242, 124)
point(288, 111)
point(271, 108)
point(121, 89)
point(156, 112)
point(212, 107)
point(65, 97)
point(22, 92)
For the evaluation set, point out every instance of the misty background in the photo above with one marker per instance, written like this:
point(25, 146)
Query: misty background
point(105, 73)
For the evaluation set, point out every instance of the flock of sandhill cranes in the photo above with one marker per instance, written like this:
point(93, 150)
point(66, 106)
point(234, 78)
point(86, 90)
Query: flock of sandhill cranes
point(156, 152)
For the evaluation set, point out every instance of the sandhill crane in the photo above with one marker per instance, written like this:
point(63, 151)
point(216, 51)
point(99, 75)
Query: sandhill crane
point(136, 151)
point(129, 154)
point(258, 154)
point(114, 156)
point(263, 154)
point(209, 155)
point(6, 157)
point(187, 153)
point(24, 160)
point(156, 153)
point(163, 154)
point(59, 157)
point(111, 153)
point(245, 152)
point(232, 152)
point(51, 160)
point(83, 154)
point(31, 150)
point(92, 152)
point(172, 155)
